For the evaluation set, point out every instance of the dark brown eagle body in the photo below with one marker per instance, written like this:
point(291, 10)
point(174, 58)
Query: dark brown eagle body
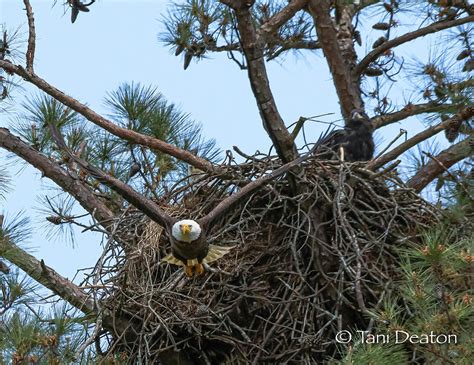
point(189, 246)
point(185, 251)
point(356, 140)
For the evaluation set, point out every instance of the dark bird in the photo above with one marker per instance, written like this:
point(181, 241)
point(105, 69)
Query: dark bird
point(355, 139)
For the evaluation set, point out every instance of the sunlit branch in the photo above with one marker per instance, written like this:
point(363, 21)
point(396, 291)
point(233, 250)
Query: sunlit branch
point(346, 86)
point(58, 284)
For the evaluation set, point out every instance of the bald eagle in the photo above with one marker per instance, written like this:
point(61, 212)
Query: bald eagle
point(189, 247)
point(356, 140)
point(188, 238)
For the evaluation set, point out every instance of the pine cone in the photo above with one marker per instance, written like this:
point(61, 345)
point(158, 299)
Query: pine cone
point(381, 26)
point(452, 130)
point(54, 219)
point(379, 42)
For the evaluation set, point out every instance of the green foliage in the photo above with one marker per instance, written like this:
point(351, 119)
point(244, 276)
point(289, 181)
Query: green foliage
point(374, 354)
point(432, 295)
point(140, 108)
point(39, 112)
point(145, 110)
point(33, 331)
point(5, 184)
point(15, 229)
point(31, 337)
point(197, 27)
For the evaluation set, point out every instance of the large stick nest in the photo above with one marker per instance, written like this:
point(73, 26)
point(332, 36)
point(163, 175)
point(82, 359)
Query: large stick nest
point(305, 266)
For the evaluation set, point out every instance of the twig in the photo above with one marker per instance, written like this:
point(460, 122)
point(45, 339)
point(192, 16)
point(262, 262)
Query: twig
point(30, 53)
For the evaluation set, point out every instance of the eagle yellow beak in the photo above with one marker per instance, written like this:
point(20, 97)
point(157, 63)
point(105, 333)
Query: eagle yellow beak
point(185, 229)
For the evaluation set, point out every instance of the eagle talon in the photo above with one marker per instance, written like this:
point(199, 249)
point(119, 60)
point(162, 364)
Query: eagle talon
point(188, 271)
point(199, 269)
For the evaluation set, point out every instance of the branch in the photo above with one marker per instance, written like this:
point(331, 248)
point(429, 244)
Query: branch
point(62, 178)
point(287, 45)
point(441, 163)
point(30, 53)
point(432, 28)
point(59, 285)
point(129, 135)
point(346, 85)
point(46, 276)
point(228, 202)
point(254, 55)
point(408, 111)
point(397, 151)
point(147, 206)
point(280, 18)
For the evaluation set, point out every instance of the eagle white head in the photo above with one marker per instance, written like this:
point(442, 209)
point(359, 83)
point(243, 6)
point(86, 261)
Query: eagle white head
point(186, 230)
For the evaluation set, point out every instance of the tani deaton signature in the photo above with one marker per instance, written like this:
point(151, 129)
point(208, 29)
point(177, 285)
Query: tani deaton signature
point(403, 336)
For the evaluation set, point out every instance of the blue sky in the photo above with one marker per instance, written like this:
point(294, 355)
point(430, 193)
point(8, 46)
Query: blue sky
point(117, 42)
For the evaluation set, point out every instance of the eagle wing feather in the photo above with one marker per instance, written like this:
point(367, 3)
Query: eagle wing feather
point(216, 252)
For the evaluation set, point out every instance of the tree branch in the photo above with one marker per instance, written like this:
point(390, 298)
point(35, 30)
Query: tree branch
point(147, 206)
point(432, 28)
point(46, 276)
point(441, 163)
point(59, 285)
point(346, 85)
point(280, 18)
point(397, 151)
point(252, 186)
point(61, 177)
point(129, 135)
point(408, 111)
point(254, 55)
point(30, 53)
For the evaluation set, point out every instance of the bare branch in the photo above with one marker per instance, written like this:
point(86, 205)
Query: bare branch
point(408, 111)
point(30, 53)
point(129, 135)
point(59, 285)
point(287, 45)
point(346, 85)
point(441, 163)
point(46, 276)
point(280, 18)
point(397, 151)
point(432, 28)
point(61, 177)
point(254, 54)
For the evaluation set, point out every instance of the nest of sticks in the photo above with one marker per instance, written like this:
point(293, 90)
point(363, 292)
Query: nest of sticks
point(305, 265)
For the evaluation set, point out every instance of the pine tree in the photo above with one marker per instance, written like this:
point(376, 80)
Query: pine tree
point(321, 245)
